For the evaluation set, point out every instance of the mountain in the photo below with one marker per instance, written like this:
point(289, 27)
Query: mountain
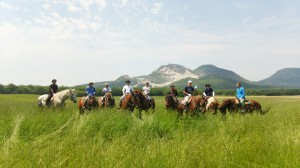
point(167, 74)
point(213, 71)
point(219, 78)
point(287, 77)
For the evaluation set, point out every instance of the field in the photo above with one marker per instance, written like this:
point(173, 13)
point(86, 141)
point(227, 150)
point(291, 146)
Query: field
point(31, 137)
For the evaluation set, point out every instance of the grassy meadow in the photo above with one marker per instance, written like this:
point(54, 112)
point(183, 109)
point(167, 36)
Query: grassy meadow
point(31, 137)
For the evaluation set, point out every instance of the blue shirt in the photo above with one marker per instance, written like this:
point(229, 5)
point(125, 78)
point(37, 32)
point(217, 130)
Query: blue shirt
point(90, 90)
point(240, 93)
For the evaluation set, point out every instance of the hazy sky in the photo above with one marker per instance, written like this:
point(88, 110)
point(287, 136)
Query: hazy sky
point(97, 40)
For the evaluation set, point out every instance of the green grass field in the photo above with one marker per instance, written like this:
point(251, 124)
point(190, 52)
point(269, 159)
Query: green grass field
point(31, 137)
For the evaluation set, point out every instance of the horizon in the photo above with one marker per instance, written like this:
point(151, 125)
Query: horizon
point(99, 40)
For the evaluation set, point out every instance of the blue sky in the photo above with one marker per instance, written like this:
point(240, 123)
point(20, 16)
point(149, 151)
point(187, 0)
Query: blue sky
point(98, 40)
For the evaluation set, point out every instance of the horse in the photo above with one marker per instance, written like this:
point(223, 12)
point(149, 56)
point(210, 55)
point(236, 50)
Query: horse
point(228, 104)
point(252, 105)
point(171, 102)
point(106, 101)
point(141, 102)
point(233, 105)
point(89, 104)
point(211, 105)
point(58, 99)
point(127, 102)
point(195, 103)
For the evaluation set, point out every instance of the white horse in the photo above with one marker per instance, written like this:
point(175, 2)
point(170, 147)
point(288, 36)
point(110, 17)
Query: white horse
point(58, 99)
point(212, 104)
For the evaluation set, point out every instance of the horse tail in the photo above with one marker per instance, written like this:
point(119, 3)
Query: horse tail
point(265, 111)
point(153, 104)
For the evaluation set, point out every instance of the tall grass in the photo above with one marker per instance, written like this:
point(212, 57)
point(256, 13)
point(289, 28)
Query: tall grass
point(31, 137)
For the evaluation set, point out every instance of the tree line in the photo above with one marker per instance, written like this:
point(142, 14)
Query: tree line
point(117, 91)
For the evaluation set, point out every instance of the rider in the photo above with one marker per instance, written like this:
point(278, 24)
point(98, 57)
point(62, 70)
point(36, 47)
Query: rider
point(105, 90)
point(208, 92)
point(127, 89)
point(173, 92)
point(146, 90)
point(91, 91)
point(240, 95)
point(53, 88)
point(188, 91)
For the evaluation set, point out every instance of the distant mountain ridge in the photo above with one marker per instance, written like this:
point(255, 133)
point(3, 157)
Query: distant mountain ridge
point(219, 78)
point(287, 77)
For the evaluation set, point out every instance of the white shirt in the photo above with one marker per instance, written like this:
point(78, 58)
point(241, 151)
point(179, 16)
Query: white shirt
point(146, 90)
point(106, 90)
point(127, 89)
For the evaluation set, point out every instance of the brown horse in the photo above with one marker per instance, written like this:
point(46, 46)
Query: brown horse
point(127, 102)
point(228, 104)
point(195, 103)
point(89, 104)
point(106, 101)
point(233, 105)
point(252, 105)
point(171, 102)
point(141, 102)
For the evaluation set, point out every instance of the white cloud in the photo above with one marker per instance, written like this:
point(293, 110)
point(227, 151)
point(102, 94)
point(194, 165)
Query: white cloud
point(86, 4)
point(73, 8)
point(102, 3)
point(124, 2)
point(47, 6)
point(156, 9)
point(5, 5)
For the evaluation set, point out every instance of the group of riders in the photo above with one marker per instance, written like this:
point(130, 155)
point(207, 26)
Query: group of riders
point(128, 89)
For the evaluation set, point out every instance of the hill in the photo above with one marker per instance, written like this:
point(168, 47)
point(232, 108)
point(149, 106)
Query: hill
point(219, 78)
point(287, 77)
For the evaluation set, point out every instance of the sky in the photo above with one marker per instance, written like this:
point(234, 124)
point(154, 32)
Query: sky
point(78, 41)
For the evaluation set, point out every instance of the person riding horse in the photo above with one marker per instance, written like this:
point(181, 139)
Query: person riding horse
point(53, 88)
point(173, 92)
point(91, 92)
point(208, 92)
point(188, 91)
point(146, 91)
point(106, 90)
point(240, 95)
point(127, 89)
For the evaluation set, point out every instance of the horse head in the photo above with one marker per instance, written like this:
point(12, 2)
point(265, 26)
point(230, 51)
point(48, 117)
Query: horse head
point(137, 97)
point(170, 102)
point(108, 99)
point(72, 95)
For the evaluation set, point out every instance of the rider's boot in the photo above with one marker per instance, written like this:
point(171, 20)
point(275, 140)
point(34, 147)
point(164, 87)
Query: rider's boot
point(120, 104)
point(186, 108)
point(48, 101)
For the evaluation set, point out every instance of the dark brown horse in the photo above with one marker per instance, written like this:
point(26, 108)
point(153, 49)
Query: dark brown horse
point(233, 105)
point(195, 103)
point(171, 102)
point(89, 104)
point(228, 105)
point(127, 102)
point(252, 105)
point(141, 102)
point(106, 101)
